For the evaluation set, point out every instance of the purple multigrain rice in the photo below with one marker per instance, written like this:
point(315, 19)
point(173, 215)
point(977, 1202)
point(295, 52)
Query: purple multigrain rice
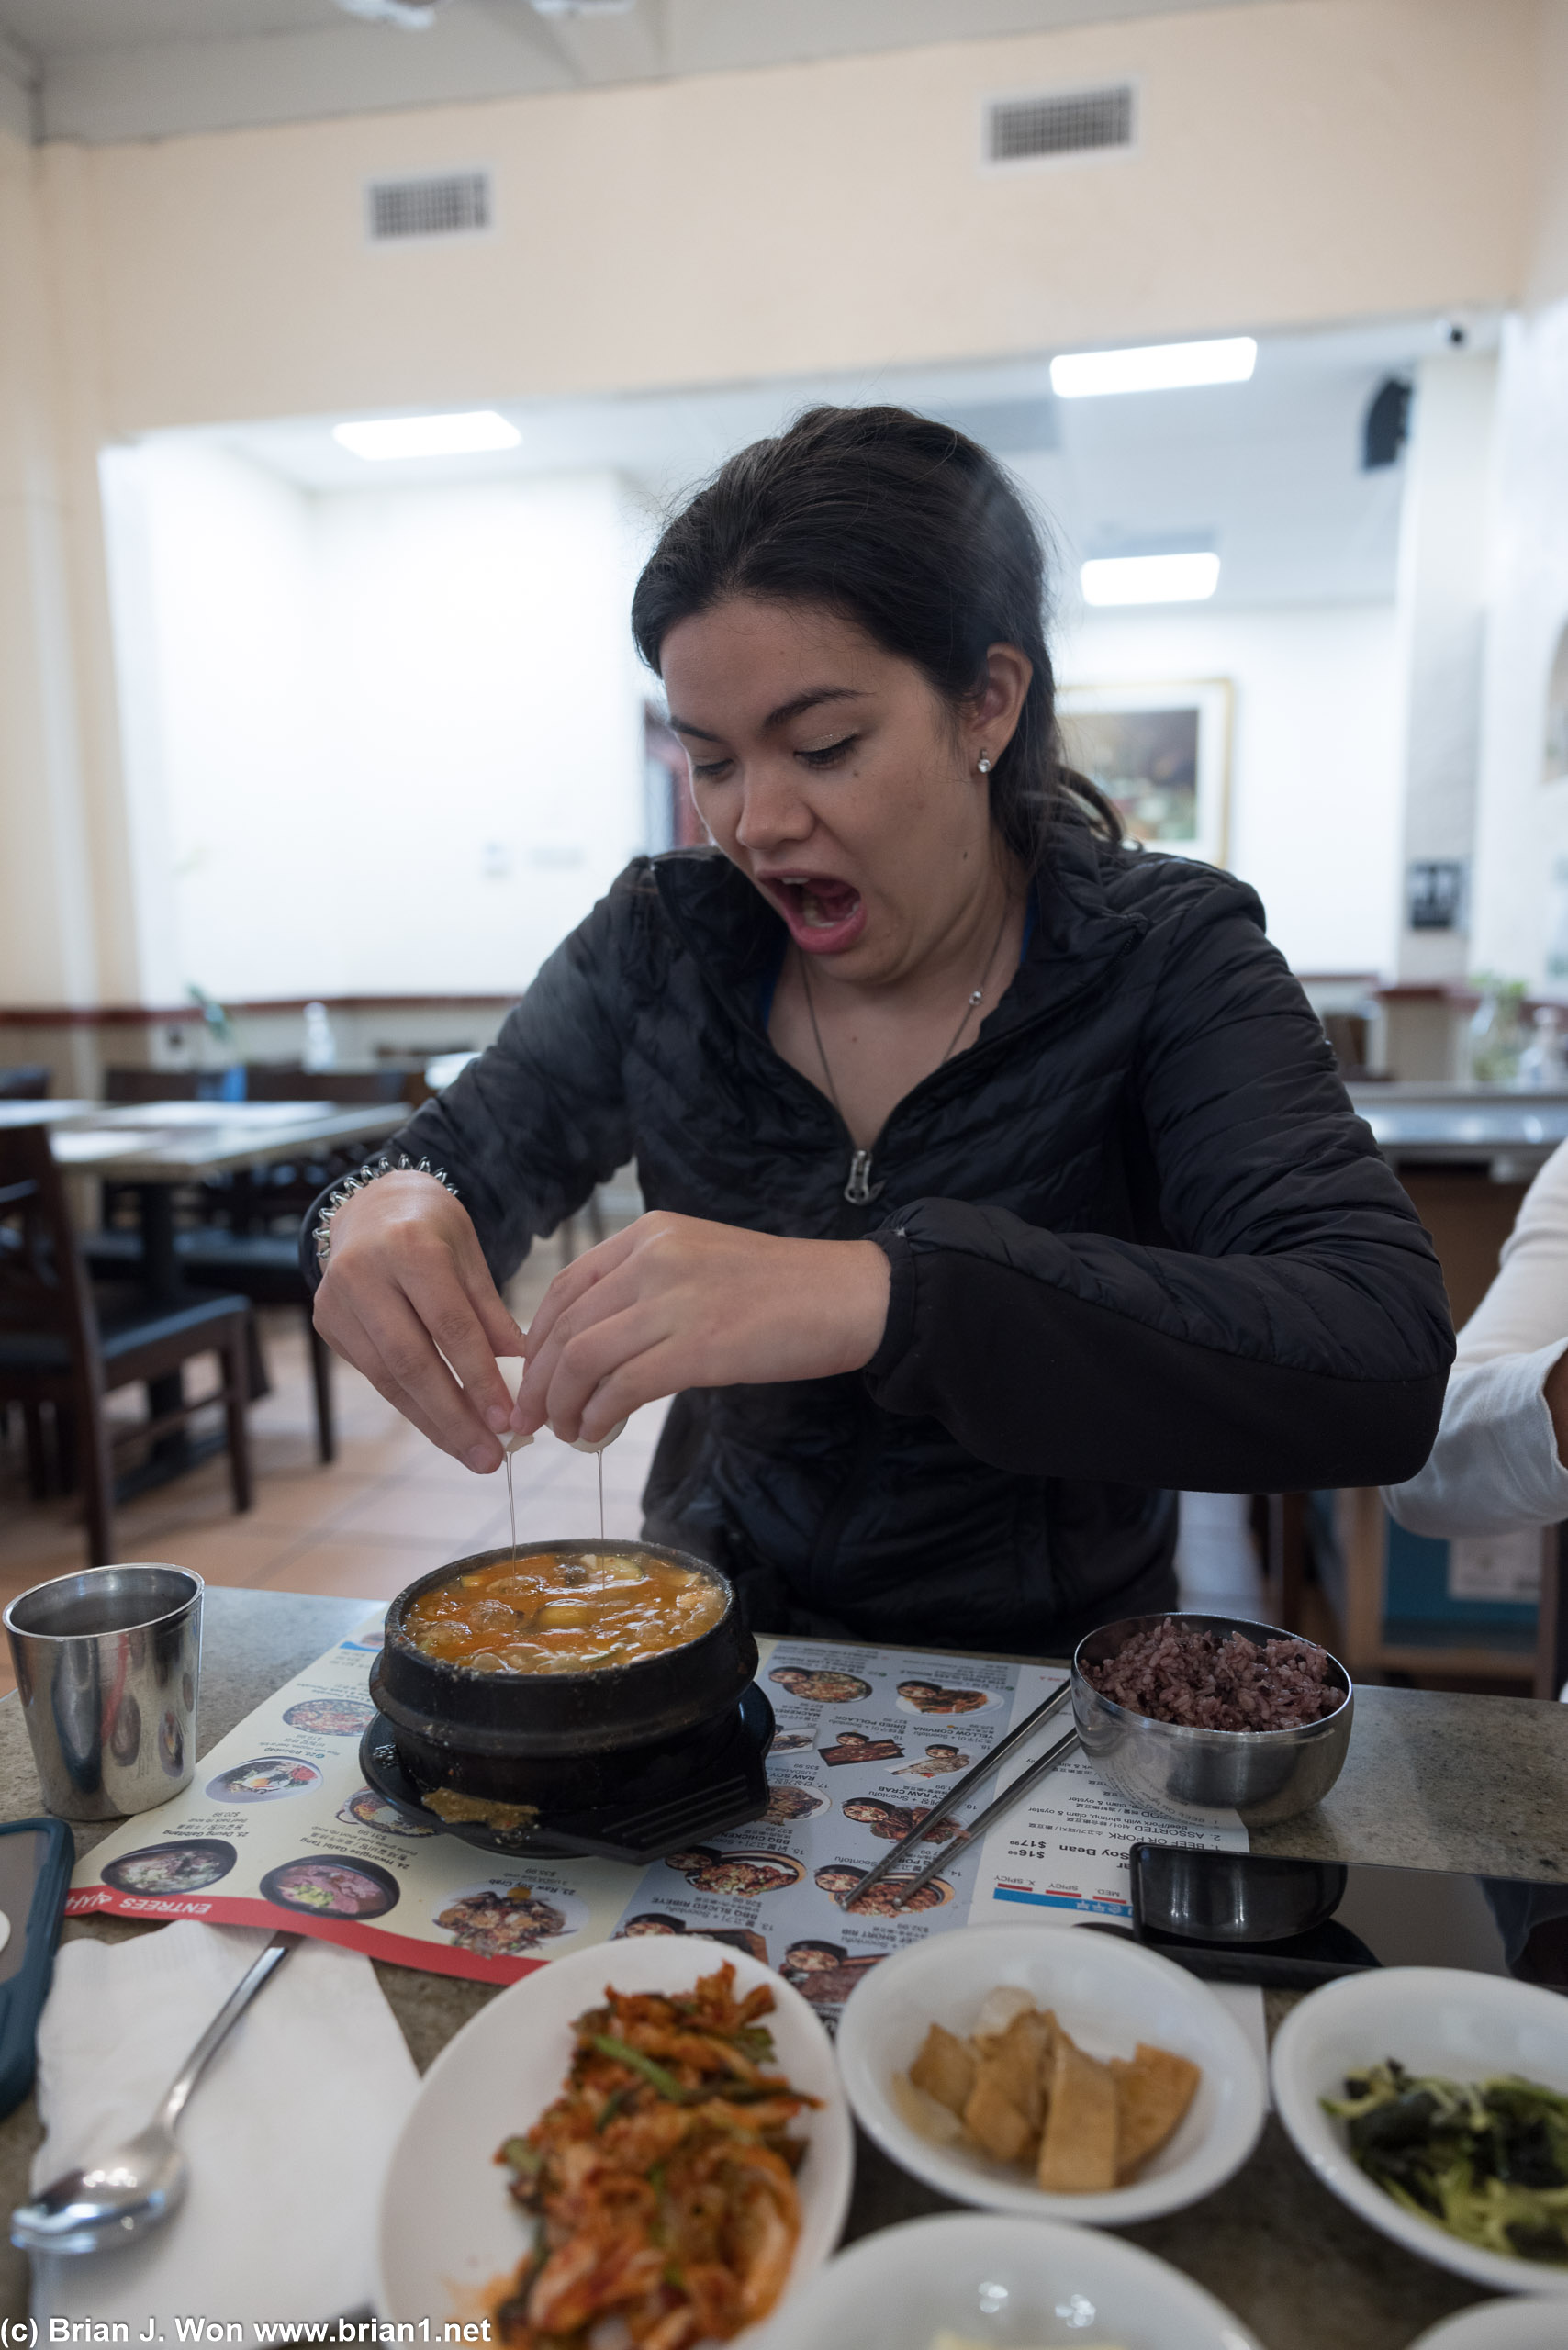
point(1177, 1673)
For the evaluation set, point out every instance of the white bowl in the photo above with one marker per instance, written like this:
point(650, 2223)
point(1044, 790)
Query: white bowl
point(448, 2230)
point(1525, 2324)
point(1006, 2282)
point(1109, 1994)
point(1433, 2020)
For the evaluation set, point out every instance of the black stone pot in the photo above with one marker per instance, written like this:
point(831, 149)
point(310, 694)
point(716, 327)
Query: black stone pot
point(562, 1742)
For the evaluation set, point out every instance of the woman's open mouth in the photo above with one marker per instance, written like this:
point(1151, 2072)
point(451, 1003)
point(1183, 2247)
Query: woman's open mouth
point(824, 916)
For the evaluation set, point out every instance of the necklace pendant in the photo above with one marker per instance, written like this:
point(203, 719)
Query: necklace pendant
point(859, 1190)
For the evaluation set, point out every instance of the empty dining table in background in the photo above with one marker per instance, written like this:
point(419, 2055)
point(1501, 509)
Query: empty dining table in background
point(158, 1146)
point(155, 1148)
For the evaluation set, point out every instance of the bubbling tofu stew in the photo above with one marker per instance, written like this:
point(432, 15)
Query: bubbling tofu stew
point(542, 1613)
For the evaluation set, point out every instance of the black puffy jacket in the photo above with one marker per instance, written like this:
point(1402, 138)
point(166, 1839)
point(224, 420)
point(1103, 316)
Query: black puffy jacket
point(1139, 1241)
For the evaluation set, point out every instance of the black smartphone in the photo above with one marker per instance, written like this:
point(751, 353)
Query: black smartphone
point(37, 1857)
point(1249, 1918)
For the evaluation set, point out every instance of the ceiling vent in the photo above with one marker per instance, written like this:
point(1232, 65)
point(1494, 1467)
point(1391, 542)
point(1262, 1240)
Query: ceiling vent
point(447, 203)
point(1073, 122)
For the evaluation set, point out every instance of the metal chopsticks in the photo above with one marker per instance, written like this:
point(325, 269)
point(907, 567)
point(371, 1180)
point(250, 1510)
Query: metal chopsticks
point(960, 1788)
point(1038, 1769)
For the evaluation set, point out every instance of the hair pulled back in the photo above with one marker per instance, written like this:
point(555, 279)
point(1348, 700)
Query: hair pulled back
point(910, 530)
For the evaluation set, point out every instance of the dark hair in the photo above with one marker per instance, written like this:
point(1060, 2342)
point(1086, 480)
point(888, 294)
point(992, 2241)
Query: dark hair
point(916, 534)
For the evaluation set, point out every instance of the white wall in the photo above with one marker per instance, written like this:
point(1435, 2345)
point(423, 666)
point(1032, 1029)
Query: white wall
point(483, 745)
point(1522, 827)
point(1449, 485)
point(217, 624)
point(1315, 804)
point(1297, 161)
point(1523, 822)
point(392, 740)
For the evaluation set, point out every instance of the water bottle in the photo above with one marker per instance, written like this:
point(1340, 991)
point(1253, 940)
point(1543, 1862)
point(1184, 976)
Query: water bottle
point(1542, 1065)
point(320, 1044)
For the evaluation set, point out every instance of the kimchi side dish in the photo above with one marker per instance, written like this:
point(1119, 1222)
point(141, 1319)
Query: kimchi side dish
point(662, 2179)
point(542, 1613)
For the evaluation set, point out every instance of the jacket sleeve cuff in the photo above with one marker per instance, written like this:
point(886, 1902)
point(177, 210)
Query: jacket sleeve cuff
point(898, 1331)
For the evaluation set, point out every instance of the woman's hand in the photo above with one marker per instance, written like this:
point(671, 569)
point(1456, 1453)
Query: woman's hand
point(674, 1302)
point(405, 1278)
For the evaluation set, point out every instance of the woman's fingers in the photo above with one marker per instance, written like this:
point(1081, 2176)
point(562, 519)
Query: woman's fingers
point(397, 1358)
point(406, 1286)
point(579, 1277)
point(538, 1400)
point(446, 1310)
point(693, 1304)
point(607, 1373)
point(596, 1366)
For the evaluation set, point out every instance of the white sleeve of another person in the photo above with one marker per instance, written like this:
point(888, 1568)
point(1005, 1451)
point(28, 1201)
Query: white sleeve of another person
point(1495, 1468)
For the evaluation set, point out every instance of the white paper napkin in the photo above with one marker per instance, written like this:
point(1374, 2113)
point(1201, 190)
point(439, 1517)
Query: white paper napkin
point(287, 2133)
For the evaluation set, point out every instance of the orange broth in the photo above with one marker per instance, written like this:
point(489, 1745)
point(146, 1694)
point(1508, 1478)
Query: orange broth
point(544, 1614)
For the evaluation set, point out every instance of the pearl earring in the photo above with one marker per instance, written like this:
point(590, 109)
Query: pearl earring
point(984, 764)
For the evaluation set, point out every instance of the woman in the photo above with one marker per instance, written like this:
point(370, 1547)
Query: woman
point(999, 1178)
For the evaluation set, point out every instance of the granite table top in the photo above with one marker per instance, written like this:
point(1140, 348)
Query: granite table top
point(1431, 1781)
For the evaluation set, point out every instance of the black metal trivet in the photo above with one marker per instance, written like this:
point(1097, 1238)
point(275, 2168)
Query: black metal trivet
point(674, 1805)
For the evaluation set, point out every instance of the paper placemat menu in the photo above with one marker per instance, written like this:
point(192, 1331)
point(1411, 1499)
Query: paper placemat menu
point(279, 1828)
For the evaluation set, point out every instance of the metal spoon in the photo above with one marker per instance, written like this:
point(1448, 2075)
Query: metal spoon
point(130, 2192)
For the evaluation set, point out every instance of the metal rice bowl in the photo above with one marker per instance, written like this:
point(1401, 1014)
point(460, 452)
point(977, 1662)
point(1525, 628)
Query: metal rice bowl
point(1195, 1775)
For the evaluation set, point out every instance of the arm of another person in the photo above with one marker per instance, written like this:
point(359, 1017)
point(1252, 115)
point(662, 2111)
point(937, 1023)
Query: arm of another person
point(524, 1135)
point(1497, 1465)
point(1295, 1332)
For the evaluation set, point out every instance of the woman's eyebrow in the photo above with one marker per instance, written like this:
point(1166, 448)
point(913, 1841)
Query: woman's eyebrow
point(776, 717)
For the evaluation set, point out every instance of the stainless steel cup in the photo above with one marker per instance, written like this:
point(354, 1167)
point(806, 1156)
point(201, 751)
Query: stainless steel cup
point(107, 1664)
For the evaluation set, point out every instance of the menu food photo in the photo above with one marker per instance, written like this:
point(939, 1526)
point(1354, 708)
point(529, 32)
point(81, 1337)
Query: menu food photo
point(279, 1827)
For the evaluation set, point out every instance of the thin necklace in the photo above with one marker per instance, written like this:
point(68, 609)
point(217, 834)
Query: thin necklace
point(859, 1189)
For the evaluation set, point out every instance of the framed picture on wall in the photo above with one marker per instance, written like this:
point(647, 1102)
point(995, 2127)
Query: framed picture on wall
point(1163, 753)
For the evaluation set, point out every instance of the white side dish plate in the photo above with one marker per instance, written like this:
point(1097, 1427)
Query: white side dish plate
point(449, 2233)
point(1002, 2282)
point(1107, 1993)
point(1433, 2020)
point(1528, 2322)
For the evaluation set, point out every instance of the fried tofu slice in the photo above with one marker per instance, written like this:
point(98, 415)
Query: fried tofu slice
point(998, 2009)
point(993, 2116)
point(1154, 2089)
point(1078, 2153)
point(934, 2122)
point(1027, 2049)
point(946, 2069)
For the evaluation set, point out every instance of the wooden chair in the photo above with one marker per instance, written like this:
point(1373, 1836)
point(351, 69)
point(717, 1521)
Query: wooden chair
point(261, 1266)
point(25, 1082)
point(1279, 1529)
point(57, 1348)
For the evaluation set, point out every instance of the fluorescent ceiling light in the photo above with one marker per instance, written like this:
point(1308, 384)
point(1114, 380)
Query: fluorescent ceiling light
point(1150, 579)
point(427, 436)
point(1161, 367)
